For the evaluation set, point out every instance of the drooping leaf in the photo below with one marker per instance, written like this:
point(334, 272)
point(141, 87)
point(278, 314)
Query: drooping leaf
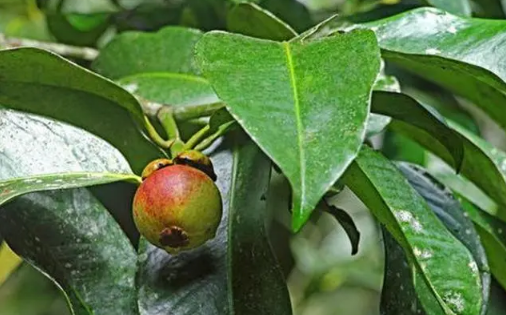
point(458, 7)
point(426, 242)
point(449, 50)
point(450, 211)
point(42, 83)
point(346, 221)
point(482, 164)
point(493, 236)
point(319, 109)
point(408, 111)
point(377, 123)
point(68, 234)
point(251, 20)
point(212, 279)
point(159, 67)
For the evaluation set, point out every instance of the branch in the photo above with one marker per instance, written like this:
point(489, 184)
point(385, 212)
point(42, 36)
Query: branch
point(85, 53)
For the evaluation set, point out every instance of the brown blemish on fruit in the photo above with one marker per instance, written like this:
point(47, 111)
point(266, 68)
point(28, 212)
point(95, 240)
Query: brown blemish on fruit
point(174, 237)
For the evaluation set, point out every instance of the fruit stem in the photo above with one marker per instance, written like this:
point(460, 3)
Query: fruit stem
point(153, 134)
point(196, 138)
point(223, 129)
point(190, 112)
point(166, 118)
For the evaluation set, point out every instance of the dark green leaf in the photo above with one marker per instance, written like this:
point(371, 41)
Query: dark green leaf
point(71, 237)
point(64, 28)
point(450, 51)
point(292, 12)
point(483, 164)
point(348, 225)
point(68, 234)
point(42, 83)
point(450, 289)
point(261, 289)
point(451, 213)
point(489, 8)
point(407, 110)
point(459, 7)
point(250, 19)
point(209, 280)
point(319, 108)
point(159, 67)
point(493, 236)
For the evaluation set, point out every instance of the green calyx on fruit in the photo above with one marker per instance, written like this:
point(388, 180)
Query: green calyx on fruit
point(177, 207)
point(197, 160)
point(154, 166)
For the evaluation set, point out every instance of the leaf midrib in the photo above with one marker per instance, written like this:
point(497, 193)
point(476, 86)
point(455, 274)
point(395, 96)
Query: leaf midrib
point(300, 127)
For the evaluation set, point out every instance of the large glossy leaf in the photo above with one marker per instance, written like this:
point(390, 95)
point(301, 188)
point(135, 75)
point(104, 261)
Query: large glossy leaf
point(461, 54)
point(68, 234)
point(40, 82)
point(250, 19)
point(236, 272)
point(307, 114)
point(159, 67)
point(449, 289)
point(459, 7)
point(407, 110)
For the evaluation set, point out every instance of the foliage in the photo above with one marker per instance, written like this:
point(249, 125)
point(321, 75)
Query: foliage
point(303, 113)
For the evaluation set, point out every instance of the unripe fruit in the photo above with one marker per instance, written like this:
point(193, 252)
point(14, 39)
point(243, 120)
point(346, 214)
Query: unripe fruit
point(177, 207)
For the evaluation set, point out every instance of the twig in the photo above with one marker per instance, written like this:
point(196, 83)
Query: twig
point(85, 53)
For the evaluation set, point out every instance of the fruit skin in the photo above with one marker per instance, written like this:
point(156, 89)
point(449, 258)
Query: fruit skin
point(177, 208)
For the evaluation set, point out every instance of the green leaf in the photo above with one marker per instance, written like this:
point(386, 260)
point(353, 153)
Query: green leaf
point(210, 280)
point(378, 123)
point(458, 7)
point(39, 82)
point(72, 238)
point(346, 221)
point(13, 188)
point(68, 234)
point(319, 108)
point(450, 211)
point(292, 12)
point(159, 67)
point(251, 20)
point(454, 289)
point(483, 164)
point(493, 236)
point(449, 50)
point(65, 28)
point(407, 110)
